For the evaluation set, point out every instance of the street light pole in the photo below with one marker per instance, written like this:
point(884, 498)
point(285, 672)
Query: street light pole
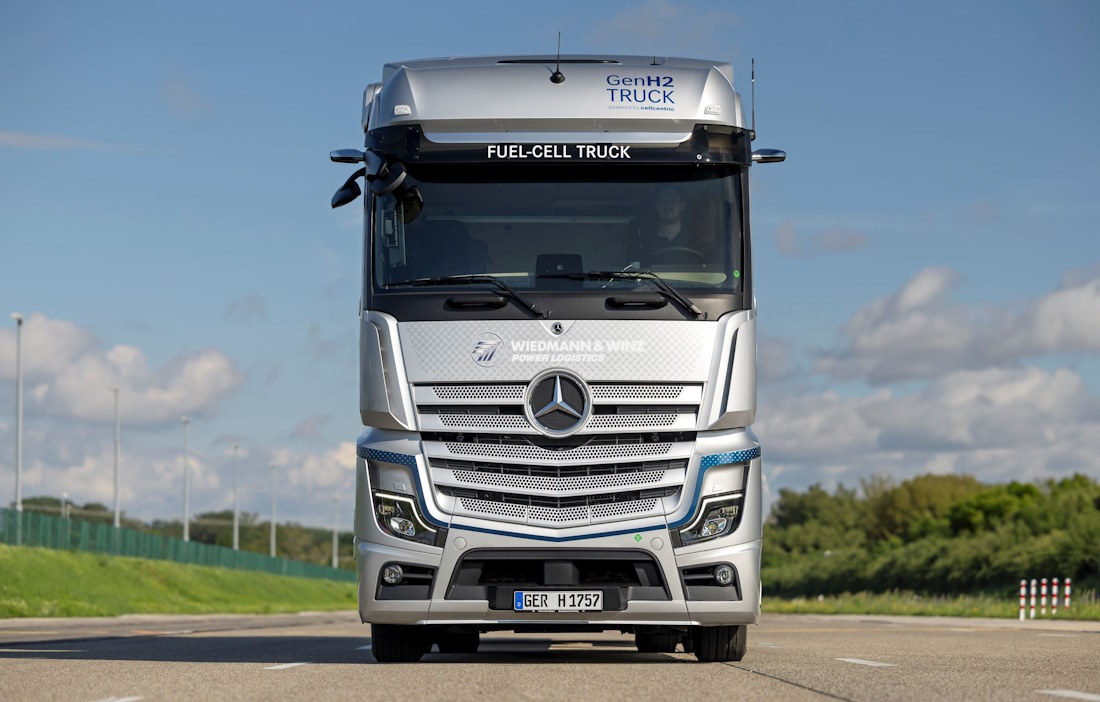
point(18, 414)
point(272, 544)
point(335, 526)
point(186, 478)
point(115, 390)
point(236, 498)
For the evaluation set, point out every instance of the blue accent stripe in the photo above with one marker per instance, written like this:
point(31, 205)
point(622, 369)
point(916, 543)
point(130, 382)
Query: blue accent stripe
point(402, 459)
point(714, 459)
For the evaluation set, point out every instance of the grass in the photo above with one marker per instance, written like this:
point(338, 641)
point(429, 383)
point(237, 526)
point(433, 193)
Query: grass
point(1083, 606)
point(38, 582)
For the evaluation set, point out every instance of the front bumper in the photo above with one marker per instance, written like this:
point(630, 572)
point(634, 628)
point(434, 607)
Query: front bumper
point(675, 610)
point(722, 463)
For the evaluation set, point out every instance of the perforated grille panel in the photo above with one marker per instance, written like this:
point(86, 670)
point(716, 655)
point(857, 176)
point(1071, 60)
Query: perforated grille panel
point(637, 392)
point(479, 392)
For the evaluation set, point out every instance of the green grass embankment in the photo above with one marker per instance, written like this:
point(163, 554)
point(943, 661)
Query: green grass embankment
point(1084, 606)
point(37, 582)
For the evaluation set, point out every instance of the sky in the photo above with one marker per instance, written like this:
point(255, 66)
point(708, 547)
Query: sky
point(927, 260)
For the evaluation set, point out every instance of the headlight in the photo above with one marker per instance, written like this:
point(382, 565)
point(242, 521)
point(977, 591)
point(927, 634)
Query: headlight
point(397, 516)
point(718, 516)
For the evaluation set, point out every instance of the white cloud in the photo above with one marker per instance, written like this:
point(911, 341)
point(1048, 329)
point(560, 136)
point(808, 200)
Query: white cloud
point(994, 423)
point(331, 473)
point(918, 332)
point(70, 375)
point(310, 427)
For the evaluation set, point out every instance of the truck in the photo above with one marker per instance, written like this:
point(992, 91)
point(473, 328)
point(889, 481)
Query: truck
point(557, 336)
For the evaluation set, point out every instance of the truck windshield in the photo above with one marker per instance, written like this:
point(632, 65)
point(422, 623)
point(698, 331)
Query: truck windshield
point(532, 226)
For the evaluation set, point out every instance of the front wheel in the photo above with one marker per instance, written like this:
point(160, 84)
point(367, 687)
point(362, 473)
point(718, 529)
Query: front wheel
point(398, 643)
point(715, 644)
point(656, 643)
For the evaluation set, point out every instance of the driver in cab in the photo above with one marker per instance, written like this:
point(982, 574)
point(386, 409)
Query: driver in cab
point(669, 236)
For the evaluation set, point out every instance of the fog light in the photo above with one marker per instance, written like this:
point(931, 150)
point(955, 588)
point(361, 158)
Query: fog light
point(723, 575)
point(392, 574)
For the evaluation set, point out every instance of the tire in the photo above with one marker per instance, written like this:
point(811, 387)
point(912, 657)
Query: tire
point(458, 642)
point(718, 644)
point(656, 643)
point(398, 643)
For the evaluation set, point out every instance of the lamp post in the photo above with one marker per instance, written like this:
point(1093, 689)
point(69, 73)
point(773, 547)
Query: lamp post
point(115, 391)
point(335, 536)
point(18, 417)
point(271, 550)
point(236, 499)
point(186, 478)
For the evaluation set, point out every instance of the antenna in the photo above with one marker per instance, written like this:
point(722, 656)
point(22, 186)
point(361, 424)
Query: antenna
point(557, 76)
point(752, 130)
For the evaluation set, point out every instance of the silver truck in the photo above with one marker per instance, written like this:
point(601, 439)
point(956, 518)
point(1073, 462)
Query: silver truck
point(558, 354)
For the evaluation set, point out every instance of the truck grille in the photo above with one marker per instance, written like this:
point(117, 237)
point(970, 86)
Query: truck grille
point(629, 460)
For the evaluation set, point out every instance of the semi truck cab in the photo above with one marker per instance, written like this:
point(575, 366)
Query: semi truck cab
point(558, 354)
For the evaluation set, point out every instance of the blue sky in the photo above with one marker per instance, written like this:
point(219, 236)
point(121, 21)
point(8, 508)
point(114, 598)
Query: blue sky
point(927, 260)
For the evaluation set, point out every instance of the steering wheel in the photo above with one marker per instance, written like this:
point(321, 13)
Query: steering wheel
point(680, 249)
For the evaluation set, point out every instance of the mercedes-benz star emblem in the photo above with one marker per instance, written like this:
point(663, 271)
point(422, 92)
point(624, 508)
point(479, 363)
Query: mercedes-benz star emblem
point(557, 403)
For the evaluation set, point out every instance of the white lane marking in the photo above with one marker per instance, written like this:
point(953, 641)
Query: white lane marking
point(767, 644)
point(120, 699)
point(1060, 636)
point(284, 666)
point(364, 648)
point(179, 632)
point(1071, 694)
point(860, 661)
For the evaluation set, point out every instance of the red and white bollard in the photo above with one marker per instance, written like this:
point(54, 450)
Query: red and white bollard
point(1043, 597)
point(1067, 592)
point(1054, 597)
point(1023, 597)
point(1033, 590)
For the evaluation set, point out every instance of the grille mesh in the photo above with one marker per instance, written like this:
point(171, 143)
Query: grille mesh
point(479, 392)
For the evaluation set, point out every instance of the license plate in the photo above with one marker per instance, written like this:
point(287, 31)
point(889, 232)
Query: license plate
point(558, 601)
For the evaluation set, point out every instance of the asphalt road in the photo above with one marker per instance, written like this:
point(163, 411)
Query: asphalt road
point(327, 656)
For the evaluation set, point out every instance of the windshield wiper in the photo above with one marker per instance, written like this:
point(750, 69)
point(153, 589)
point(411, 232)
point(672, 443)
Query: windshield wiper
point(652, 277)
point(477, 278)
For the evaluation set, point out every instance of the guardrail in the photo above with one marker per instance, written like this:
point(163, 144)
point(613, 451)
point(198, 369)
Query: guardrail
point(47, 531)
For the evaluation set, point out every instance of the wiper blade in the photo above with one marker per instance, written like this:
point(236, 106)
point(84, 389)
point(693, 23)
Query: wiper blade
point(652, 277)
point(477, 278)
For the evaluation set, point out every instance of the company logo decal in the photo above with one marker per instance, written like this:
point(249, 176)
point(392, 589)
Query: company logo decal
point(486, 350)
point(557, 403)
point(645, 92)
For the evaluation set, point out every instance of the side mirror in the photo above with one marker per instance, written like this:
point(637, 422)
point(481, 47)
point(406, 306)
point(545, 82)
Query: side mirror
point(768, 156)
point(347, 156)
point(349, 190)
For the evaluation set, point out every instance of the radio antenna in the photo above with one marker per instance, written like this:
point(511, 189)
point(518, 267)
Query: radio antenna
point(557, 76)
point(752, 130)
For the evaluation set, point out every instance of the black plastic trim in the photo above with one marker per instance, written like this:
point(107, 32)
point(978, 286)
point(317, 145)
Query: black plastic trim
point(710, 593)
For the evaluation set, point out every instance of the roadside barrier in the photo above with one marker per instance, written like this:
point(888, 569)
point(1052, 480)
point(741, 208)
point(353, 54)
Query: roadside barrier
point(1039, 587)
point(47, 531)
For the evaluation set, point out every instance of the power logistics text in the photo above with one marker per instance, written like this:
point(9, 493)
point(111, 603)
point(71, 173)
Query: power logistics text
point(558, 151)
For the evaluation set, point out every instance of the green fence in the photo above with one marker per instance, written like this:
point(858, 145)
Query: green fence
point(48, 531)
